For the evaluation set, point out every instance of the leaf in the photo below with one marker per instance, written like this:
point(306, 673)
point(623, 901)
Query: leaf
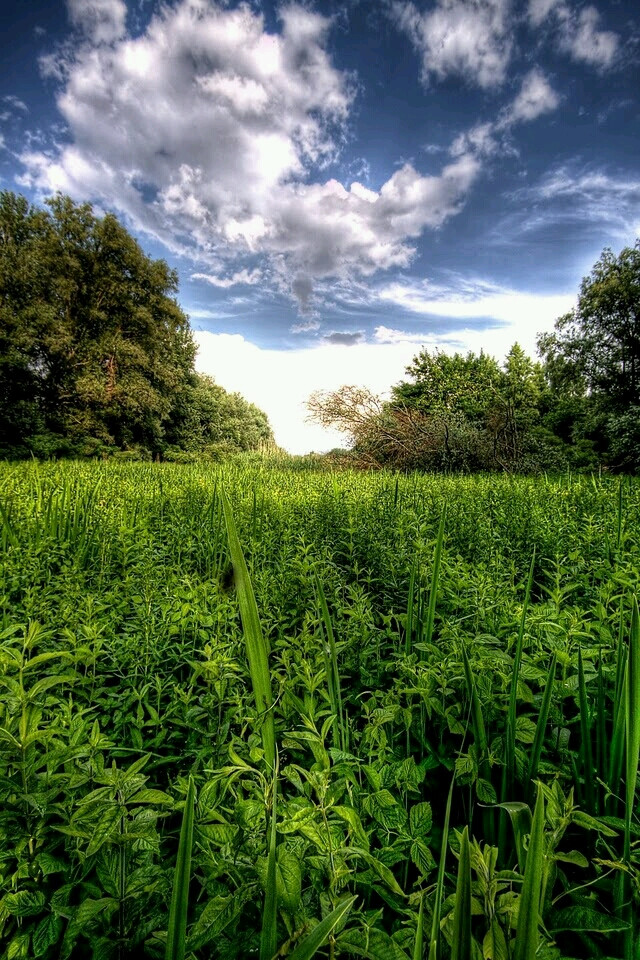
point(525, 730)
point(573, 856)
point(494, 945)
point(321, 932)
point(422, 857)
point(256, 646)
point(529, 905)
point(373, 944)
point(18, 948)
point(46, 934)
point(351, 817)
point(104, 830)
point(152, 796)
point(24, 903)
point(420, 819)
point(585, 919)
point(485, 792)
point(177, 929)
point(288, 878)
point(461, 943)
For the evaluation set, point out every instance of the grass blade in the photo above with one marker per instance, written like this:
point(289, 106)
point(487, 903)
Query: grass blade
point(585, 733)
point(321, 932)
point(526, 944)
point(408, 636)
point(256, 646)
point(269, 932)
point(461, 944)
point(541, 726)
point(331, 666)
point(435, 576)
point(418, 948)
point(434, 942)
point(177, 931)
point(632, 725)
point(513, 699)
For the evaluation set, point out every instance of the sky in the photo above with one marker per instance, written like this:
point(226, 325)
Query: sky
point(338, 184)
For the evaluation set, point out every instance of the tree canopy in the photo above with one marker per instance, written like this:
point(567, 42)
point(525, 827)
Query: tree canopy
point(96, 355)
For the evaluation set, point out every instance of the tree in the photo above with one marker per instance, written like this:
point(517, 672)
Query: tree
point(213, 419)
point(95, 352)
point(594, 353)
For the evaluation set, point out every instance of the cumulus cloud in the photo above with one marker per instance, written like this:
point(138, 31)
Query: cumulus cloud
point(536, 96)
point(101, 20)
point(467, 38)
point(577, 32)
point(228, 126)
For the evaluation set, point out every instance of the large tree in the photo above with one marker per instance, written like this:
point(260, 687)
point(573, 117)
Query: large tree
point(592, 359)
point(94, 346)
point(95, 352)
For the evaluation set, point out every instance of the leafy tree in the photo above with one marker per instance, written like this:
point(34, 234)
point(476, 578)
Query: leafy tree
point(592, 359)
point(95, 352)
point(213, 418)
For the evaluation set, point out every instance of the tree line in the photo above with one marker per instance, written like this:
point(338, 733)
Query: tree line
point(96, 356)
point(577, 406)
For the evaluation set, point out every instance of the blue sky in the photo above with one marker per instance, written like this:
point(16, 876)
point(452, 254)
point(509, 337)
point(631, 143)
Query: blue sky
point(338, 184)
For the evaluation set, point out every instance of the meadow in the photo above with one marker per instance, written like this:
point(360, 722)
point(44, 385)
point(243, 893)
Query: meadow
point(249, 711)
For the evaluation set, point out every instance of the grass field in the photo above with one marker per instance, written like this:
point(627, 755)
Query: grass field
point(250, 712)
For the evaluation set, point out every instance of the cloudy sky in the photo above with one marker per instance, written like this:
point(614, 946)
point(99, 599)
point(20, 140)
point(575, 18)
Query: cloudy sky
point(338, 183)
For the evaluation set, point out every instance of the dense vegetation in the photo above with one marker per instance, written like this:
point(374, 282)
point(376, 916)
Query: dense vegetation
point(579, 407)
point(407, 634)
point(96, 356)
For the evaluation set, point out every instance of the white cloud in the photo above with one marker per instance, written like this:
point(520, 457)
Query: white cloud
point(467, 38)
point(243, 276)
point(103, 21)
point(227, 124)
point(577, 31)
point(582, 39)
point(574, 192)
point(536, 97)
point(511, 314)
point(15, 103)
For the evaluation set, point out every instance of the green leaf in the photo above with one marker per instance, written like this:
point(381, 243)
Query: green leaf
point(18, 948)
point(529, 905)
point(46, 934)
point(485, 791)
point(256, 646)
point(152, 796)
point(24, 903)
point(585, 919)
point(420, 819)
point(494, 945)
point(461, 943)
point(288, 878)
point(177, 929)
point(321, 932)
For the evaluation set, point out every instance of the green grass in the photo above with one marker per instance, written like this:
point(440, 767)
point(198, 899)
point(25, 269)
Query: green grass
point(359, 643)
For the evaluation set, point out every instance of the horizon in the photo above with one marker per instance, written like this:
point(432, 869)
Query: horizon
point(338, 185)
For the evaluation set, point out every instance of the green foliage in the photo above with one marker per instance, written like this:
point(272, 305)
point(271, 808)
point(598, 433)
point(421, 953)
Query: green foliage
point(129, 603)
point(96, 356)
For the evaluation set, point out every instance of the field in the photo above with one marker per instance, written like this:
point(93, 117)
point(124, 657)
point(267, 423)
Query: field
point(248, 711)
